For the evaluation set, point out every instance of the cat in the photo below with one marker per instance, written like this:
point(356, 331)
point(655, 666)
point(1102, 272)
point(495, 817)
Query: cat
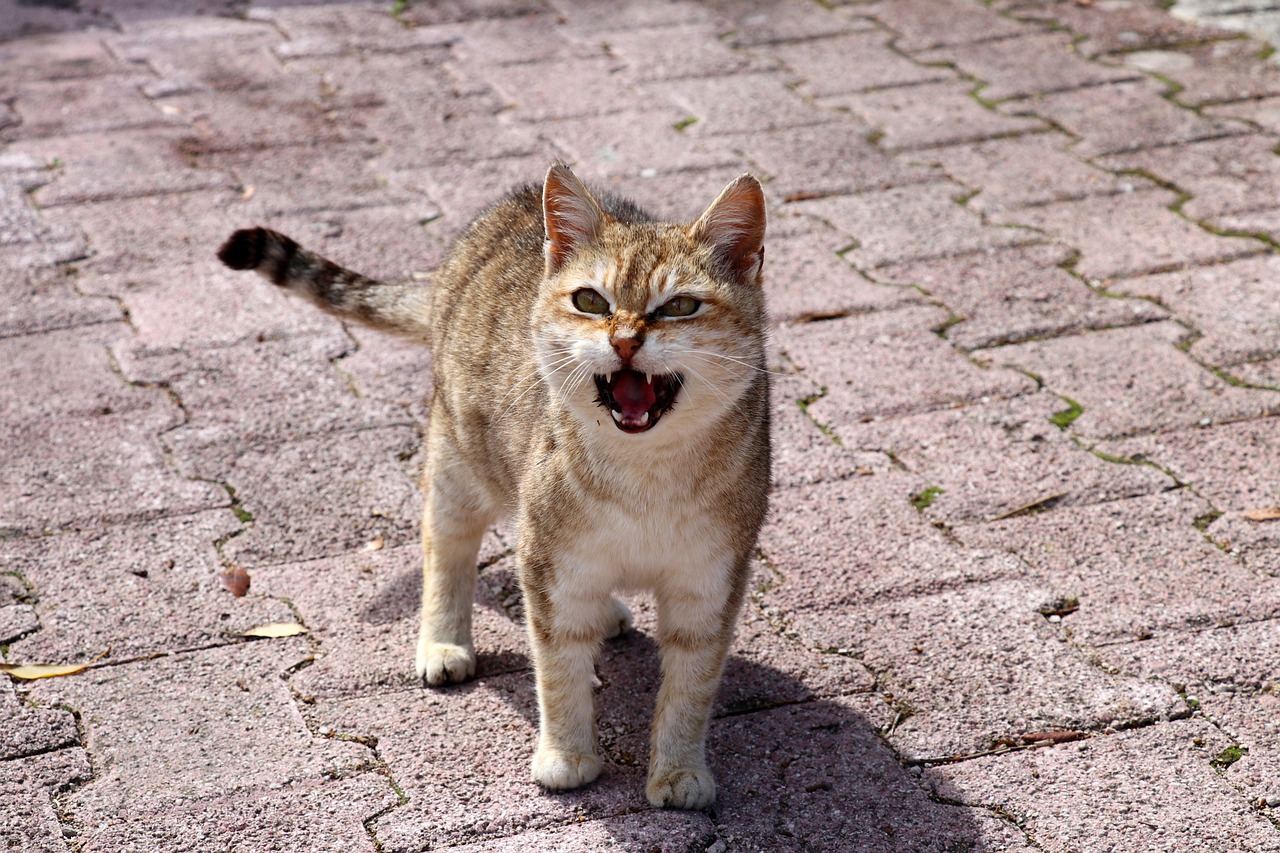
point(601, 376)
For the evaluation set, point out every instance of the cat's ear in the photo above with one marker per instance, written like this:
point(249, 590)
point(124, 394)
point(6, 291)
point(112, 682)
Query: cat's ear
point(734, 228)
point(572, 216)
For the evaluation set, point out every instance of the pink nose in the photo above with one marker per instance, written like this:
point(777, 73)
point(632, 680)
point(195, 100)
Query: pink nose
point(626, 347)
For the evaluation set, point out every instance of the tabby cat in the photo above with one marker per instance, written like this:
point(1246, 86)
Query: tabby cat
point(600, 375)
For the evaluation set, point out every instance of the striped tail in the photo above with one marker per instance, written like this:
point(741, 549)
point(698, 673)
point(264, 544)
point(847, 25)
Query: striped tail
point(397, 308)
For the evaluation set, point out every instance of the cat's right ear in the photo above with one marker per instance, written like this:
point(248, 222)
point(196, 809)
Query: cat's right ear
point(572, 216)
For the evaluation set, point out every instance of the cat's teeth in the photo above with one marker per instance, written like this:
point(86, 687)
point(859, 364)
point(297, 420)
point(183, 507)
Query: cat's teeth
point(617, 416)
point(648, 376)
point(644, 420)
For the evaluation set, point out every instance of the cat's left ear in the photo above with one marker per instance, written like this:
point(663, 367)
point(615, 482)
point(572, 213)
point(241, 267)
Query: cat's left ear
point(572, 217)
point(734, 227)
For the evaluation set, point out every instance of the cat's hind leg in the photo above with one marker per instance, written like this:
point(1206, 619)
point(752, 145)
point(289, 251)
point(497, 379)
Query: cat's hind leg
point(455, 516)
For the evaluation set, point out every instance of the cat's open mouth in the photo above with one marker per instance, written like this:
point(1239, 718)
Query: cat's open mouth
point(636, 400)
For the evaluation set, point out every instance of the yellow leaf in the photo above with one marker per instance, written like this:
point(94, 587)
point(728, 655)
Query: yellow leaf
point(376, 544)
point(1266, 513)
point(32, 671)
point(275, 629)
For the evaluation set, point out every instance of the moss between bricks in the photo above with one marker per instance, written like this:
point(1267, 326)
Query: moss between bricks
point(1228, 756)
point(1063, 419)
point(922, 499)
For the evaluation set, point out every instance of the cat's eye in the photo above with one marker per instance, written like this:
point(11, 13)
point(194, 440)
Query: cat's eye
point(588, 301)
point(681, 306)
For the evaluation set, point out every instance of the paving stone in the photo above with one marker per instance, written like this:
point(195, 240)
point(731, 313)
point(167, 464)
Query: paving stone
point(25, 730)
point(1131, 233)
point(364, 616)
point(61, 56)
point(538, 37)
point(805, 277)
point(1112, 777)
point(1150, 121)
point(29, 821)
point(1232, 305)
point(655, 831)
point(337, 28)
point(633, 144)
point(25, 21)
point(888, 364)
point(662, 53)
point(57, 108)
point(452, 11)
point(187, 61)
point(993, 459)
point(672, 196)
point(310, 815)
point(319, 496)
point(825, 159)
point(27, 240)
point(1026, 170)
point(743, 103)
point(756, 23)
point(1132, 380)
point(1222, 176)
point(389, 369)
point(1035, 64)
point(1265, 374)
point(1016, 294)
point(1211, 73)
point(852, 62)
point(228, 724)
point(916, 22)
point(930, 115)
point(141, 589)
point(802, 453)
point(1018, 678)
point(1262, 112)
point(103, 469)
point(45, 300)
point(829, 565)
point(464, 189)
point(1117, 27)
point(540, 91)
point(1135, 567)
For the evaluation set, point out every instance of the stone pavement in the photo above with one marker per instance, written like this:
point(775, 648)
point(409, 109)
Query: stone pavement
point(1023, 264)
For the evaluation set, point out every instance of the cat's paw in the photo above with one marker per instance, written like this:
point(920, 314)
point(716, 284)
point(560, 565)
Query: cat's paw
point(558, 770)
point(620, 620)
point(444, 663)
point(684, 788)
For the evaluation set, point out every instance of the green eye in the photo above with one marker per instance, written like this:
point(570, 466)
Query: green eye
point(681, 306)
point(590, 302)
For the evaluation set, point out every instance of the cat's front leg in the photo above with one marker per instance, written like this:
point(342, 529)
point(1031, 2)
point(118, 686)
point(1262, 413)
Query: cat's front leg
point(695, 628)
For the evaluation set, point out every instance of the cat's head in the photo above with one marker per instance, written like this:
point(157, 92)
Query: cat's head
point(650, 327)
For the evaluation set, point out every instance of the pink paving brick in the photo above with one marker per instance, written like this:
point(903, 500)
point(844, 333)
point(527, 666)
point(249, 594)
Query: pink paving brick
point(1036, 64)
point(916, 23)
point(1116, 27)
point(759, 24)
point(1152, 789)
point(1151, 119)
point(65, 56)
point(888, 364)
point(542, 91)
point(44, 300)
point(455, 11)
point(1263, 112)
point(1132, 380)
point(89, 105)
point(25, 730)
point(1135, 567)
point(911, 223)
point(337, 29)
point(1016, 294)
point(1232, 306)
point(654, 831)
point(1264, 374)
point(745, 103)
point(1214, 72)
point(30, 821)
point(931, 115)
point(802, 452)
point(1129, 234)
point(663, 53)
point(997, 458)
point(388, 369)
point(853, 62)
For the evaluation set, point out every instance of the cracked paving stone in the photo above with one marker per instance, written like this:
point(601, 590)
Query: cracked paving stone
point(29, 821)
point(1131, 568)
point(25, 730)
point(1129, 234)
point(17, 620)
point(995, 458)
point(1152, 789)
point(1016, 294)
point(141, 589)
point(176, 730)
point(45, 299)
point(1132, 380)
point(1236, 467)
point(888, 364)
point(1231, 675)
point(1233, 306)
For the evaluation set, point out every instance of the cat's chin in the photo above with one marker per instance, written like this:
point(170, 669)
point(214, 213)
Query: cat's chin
point(636, 401)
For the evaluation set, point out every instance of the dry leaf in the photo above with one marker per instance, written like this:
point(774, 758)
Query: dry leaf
point(1266, 513)
point(275, 629)
point(32, 671)
point(1054, 736)
point(236, 581)
point(247, 192)
point(376, 544)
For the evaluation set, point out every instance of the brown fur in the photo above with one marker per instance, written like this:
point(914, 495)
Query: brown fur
point(516, 428)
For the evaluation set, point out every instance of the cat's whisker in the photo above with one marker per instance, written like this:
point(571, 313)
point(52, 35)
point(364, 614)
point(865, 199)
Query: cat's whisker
point(536, 378)
point(740, 361)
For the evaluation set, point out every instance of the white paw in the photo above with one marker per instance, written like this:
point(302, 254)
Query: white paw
point(619, 619)
point(559, 771)
point(681, 789)
point(443, 663)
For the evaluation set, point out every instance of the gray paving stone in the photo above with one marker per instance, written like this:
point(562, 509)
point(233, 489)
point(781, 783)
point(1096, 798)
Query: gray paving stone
point(1134, 568)
point(1046, 790)
point(1263, 112)
point(32, 731)
point(141, 589)
point(52, 56)
point(1016, 294)
point(888, 364)
point(1132, 380)
point(16, 621)
point(662, 53)
point(997, 458)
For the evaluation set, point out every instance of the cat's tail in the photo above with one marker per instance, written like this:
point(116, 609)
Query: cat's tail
point(397, 308)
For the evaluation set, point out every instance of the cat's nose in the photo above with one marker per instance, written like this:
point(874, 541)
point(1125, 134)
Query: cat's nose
point(626, 347)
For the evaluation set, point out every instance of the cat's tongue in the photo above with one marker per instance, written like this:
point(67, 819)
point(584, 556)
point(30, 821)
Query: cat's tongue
point(634, 395)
